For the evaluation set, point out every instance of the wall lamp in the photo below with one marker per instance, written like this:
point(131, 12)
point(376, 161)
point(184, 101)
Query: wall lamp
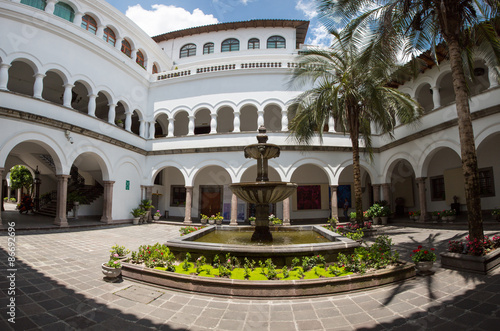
point(67, 134)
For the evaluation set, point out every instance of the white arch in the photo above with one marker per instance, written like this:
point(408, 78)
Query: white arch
point(51, 146)
point(428, 153)
point(83, 147)
point(486, 132)
point(60, 71)
point(363, 164)
point(161, 111)
point(391, 162)
point(155, 169)
point(314, 161)
point(180, 109)
point(29, 59)
point(208, 163)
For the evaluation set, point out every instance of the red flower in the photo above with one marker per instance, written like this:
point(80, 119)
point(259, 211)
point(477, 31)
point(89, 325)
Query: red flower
point(426, 252)
point(419, 247)
point(433, 249)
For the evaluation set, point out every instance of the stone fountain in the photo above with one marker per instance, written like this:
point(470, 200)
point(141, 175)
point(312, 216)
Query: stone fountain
point(262, 192)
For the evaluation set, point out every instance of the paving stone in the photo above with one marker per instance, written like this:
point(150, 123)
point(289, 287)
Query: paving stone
point(282, 326)
point(310, 325)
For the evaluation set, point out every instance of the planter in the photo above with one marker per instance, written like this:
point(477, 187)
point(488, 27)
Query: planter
point(376, 220)
point(203, 221)
point(384, 220)
point(135, 221)
point(424, 267)
point(470, 263)
point(211, 222)
point(252, 223)
point(110, 272)
point(156, 218)
point(218, 222)
point(451, 218)
point(444, 218)
point(435, 218)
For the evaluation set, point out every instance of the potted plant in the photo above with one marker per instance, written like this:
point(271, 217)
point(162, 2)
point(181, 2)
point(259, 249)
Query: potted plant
point(119, 252)
point(496, 214)
point(218, 218)
point(111, 269)
point(352, 216)
point(119, 123)
point(137, 213)
point(435, 216)
point(76, 198)
point(157, 215)
point(146, 205)
point(203, 219)
point(273, 220)
point(384, 214)
point(251, 219)
point(424, 259)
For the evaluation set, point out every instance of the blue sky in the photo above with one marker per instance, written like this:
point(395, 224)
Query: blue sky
point(160, 16)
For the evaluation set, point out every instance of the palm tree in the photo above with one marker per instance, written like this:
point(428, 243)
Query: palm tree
point(412, 26)
point(351, 91)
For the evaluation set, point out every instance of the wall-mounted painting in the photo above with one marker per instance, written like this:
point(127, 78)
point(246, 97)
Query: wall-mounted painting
point(309, 197)
point(343, 192)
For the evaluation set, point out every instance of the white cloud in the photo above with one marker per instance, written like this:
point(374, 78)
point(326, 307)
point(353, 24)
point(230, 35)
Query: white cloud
point(308, 7)
point(162, 18)
point(246, 1)
point(319, 36)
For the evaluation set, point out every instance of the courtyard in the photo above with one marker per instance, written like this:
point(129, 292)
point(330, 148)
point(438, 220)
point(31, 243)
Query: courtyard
point(59, 286)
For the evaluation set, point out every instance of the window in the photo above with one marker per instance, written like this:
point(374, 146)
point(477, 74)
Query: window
point(254, 43)
point(230, 45)
point(486, 182)
point(140, 59)
point(437, 188)
point(208, 48)
point(109, 36)
point(126, 48)
point(276, 42)
point(89, 24)
point(188, 50)
point(65, 11)
point(40, 4)
point(155, 69)
point(177, 196)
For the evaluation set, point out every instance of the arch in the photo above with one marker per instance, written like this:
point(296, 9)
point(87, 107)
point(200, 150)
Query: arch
point(208, 48)
point(272, 117)
point(426, 156)
point(141, 58)
point(50, 144)
point(276, 42)
point(480, 80)
point(161, 125)
point(365, 166)
point(89, 23)
point(248, 117)
point(156, 68)
point(53, 89)
point(109, 36)
point(80, 96)
point(181, 123)
point(214, 177)
point(230, 45)
point(85, 149)
point(21, 77)
point(136, 119)
point(155, 170)
point(102, 102)
point(313, 161)
point(253, 43)
point(64, 11)
point(40, 4)
point(225, 119)
point(187, 50)
point(391, 162)
point(446, 91)
point(126, 47)
point(423, 95)
point(485, 133)
point(120, 113)
point(202, 120)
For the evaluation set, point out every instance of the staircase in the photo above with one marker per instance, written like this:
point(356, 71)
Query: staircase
point(91, 192)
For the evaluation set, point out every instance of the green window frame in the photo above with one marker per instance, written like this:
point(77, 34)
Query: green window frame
point(65, 11)
point(40, 4)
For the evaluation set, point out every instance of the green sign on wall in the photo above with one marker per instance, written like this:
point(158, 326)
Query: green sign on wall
point(127, 185)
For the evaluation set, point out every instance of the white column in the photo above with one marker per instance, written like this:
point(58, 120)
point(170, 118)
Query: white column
point(334, 201)
point(4, 76)
point(286, 211)
point(436, 97)
point(152, 130)
point(260, 118)
point(236, 122)
point(284, 120)
point(133, 54)
point(492, 77)
point(107, 208)
point(100, 31)
point(191, 125)
point(141, 128)
point(213, 123)
point(78, 18)
point(234, 210)
point(49, 8)
point(68, 95)
point(171, 127)
point(128, 121)
point(38, 86)
point(112, 113)
point(331, 124)
point(91, 106)
point(118, 43)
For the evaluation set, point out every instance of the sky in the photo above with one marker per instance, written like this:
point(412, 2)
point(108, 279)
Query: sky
point(161, 16)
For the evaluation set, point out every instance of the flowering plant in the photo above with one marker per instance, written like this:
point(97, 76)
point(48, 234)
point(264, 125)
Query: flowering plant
point(216, 217)
point(157, 213)
point(436, 213)
point(273, 219)
point(114, 262)
point(251, 218)
point(119, 251)
point(188, 229)
point(423, 254)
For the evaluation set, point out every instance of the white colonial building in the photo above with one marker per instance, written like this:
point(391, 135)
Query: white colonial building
point(92, 101)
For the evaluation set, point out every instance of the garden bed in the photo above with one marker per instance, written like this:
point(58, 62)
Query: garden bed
point(268, 288)
point(471, 263)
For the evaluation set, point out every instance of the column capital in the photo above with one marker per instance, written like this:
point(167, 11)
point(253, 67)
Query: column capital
point(63, 176)
point(69, 85)
point(109, 182)
point(5, 65)
point(420, 179)
point(39, 75)
point(334, 187)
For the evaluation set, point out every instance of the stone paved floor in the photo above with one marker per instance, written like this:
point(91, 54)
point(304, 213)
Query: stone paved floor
point(59, 286)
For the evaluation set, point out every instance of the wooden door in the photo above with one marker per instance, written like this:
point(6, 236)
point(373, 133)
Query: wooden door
point(210, 200)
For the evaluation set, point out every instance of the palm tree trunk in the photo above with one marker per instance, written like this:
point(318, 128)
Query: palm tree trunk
point(467, 143)
point(356, 169)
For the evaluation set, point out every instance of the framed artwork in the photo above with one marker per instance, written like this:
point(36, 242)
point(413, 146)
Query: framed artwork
point(309, 197)
point(343, 192)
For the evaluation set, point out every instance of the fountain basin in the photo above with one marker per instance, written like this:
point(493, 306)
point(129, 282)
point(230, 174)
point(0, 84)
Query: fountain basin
point(280, 254)
point(263, 192)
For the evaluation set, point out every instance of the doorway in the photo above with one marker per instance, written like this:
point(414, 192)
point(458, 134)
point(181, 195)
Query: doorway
point(210, 199)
